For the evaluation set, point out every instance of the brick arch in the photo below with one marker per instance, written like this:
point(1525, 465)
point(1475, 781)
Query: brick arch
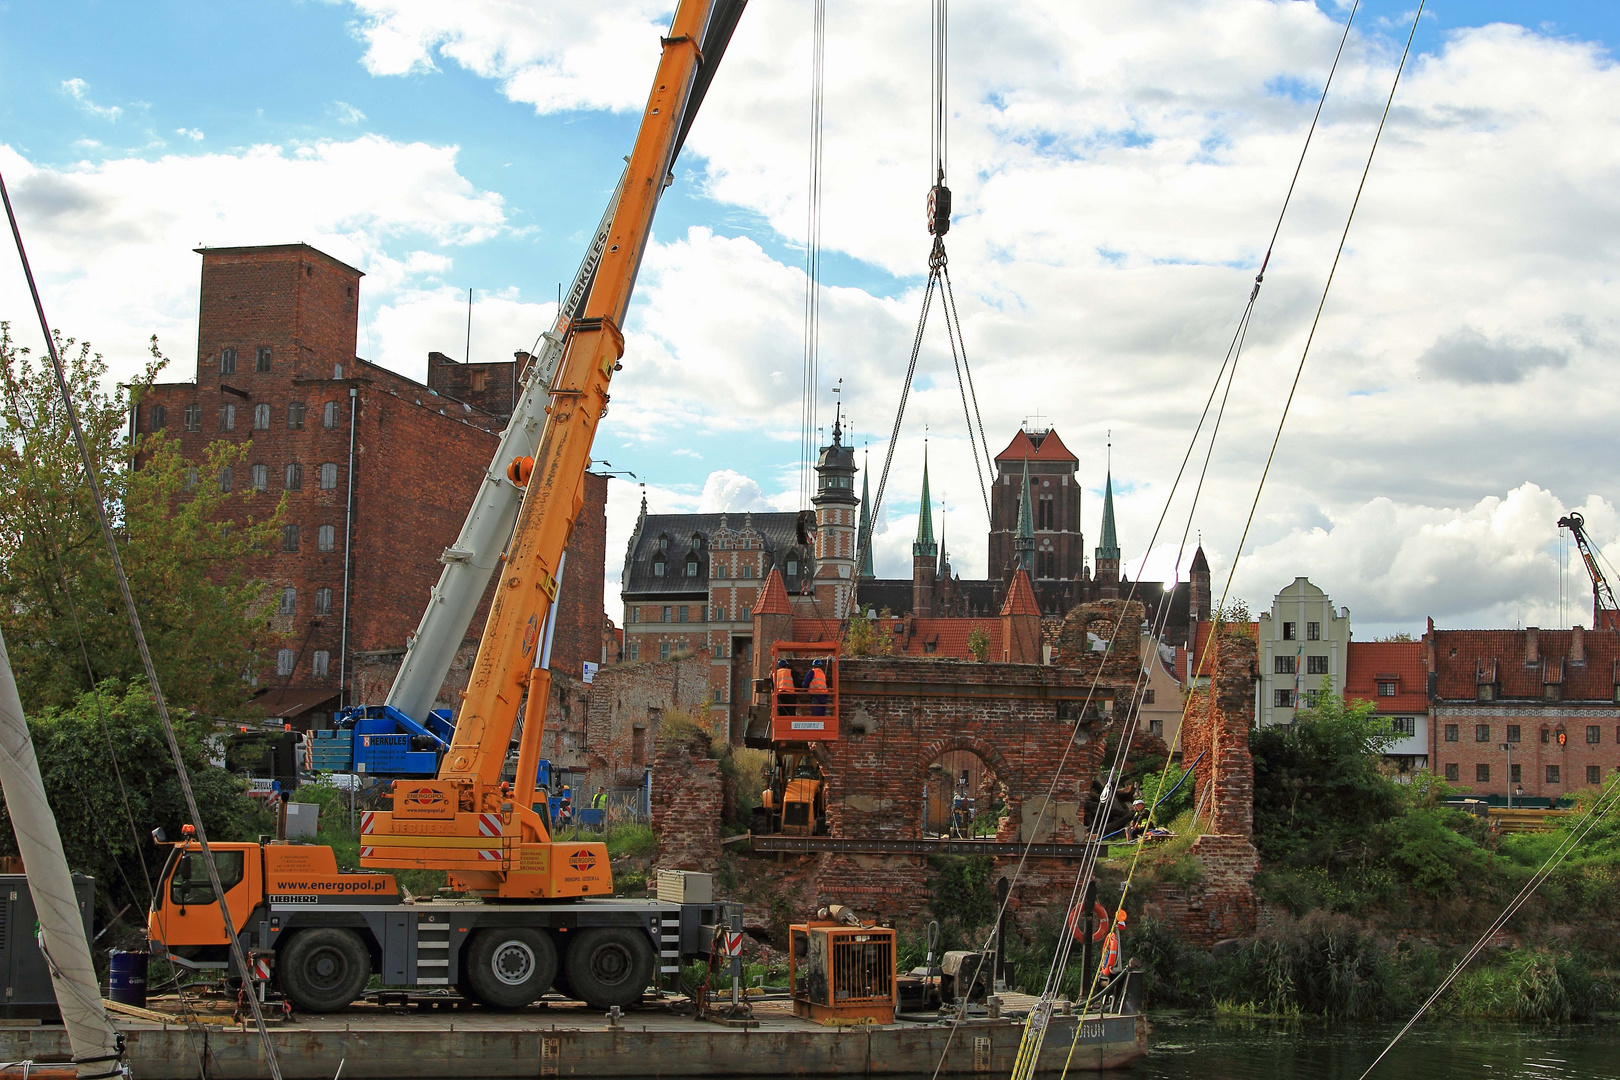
point(986, 753)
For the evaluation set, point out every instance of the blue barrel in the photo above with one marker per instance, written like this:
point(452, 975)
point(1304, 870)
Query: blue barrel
point(126, 980)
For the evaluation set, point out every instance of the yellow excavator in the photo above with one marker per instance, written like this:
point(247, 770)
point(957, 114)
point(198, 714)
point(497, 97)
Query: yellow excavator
point(543, 913)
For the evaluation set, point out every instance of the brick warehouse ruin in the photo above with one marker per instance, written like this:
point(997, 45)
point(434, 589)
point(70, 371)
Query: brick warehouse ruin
point(1215, 734)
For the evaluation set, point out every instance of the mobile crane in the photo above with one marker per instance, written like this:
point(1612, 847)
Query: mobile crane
point(540, 913)
point(1605, 612)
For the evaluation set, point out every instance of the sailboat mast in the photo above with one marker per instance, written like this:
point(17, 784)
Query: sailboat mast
point(95, 1043)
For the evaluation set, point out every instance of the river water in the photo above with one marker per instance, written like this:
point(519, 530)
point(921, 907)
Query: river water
point(1198, 1048)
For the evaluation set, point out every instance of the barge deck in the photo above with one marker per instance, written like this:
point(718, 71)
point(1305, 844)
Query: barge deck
point(556, 1039)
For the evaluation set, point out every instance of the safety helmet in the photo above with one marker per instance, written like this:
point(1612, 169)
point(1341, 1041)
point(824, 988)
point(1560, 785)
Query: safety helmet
point(818, 662)
point(782, 662)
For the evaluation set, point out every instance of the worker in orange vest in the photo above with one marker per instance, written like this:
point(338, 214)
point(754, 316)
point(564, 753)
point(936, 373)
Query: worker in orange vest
point(816, 683)
point(1110, 949)
point(785, 687)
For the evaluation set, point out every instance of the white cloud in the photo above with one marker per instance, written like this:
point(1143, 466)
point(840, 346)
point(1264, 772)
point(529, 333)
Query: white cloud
point(552, 56)
point(194, 134)
point(420, 320)
point(76, 88)
point(726, 491)
point(345, 113)
point(111, 243)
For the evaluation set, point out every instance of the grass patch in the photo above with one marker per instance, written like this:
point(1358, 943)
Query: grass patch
point(631, 841)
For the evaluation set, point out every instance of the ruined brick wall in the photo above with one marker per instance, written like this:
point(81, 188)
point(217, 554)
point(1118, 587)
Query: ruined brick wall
point(686, 804)
point(627, 705)
point(1222, 904)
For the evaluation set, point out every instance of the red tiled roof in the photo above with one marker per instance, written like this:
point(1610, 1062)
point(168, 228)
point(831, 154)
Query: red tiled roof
point(1503, 656)
point(1021, 596)
point(1022, 446)
point(773, 598)
point(1369, 663)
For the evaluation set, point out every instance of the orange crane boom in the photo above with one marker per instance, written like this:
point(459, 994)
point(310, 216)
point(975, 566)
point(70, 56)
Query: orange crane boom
point(466, 821)
point(1602, 592)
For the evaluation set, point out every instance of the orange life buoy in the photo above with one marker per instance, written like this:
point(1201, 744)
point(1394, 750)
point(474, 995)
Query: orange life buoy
point(1099, 914)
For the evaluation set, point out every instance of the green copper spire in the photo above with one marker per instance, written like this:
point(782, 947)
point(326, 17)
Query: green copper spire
point(865, 535)
point(1109, 547)
point(1024, 542)
point(924, 544)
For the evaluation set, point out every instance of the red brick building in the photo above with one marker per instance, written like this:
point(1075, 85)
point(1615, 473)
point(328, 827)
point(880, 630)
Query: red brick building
point(1531, 709)
point(1393, 676)
point(378, 471)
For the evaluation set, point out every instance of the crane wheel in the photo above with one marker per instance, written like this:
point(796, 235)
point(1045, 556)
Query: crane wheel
point(520, 470)
point(323, 969)
point(610, 966)
point(510, 968)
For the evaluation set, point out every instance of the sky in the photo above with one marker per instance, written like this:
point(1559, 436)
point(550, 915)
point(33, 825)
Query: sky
point(1117, 172)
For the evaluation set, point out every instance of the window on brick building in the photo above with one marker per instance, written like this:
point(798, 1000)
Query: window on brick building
point(1316, 665)
point(160, 417)
point(261, 477)
point(323, 601)
point(718, 614)
point(1553, 775)
point(284, 662)
point(295, 416)
point(1482, 774)
point(320, 663)
point(1282, 665)
point(638, 744)
point(1513, 733)
point(1403, 725)
point(1594, 734)
point(227, 479)
point(1451, 733)
point(632, 650)
point(479, 379)
point(329, 413)
point(663, 650)
point(1546, 735)
point(718, 696)
point(289, 538)
point(1283, 699)
point(328, 476)
point(1594, 774)
point(191, 478)
point(635, 614)
point(680, 613)
point(193, 417)
point(295, 476)
point(326, 538)
point(1045, 515)
point(227, 418)
point(668, 614)
point(261, 359)
point(1453, 772)
point(1289, 631)
point(1515, 773)
point(227, 361)
point(1482, 733)
point(1313, 631)
point(261, 417)
point(289, 601)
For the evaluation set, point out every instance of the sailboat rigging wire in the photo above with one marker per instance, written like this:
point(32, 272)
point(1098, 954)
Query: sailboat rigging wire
point(1595, 814)
point(140, 634)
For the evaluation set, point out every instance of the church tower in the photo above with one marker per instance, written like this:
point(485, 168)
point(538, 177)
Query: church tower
point(835, 504)
point(1108, 548)
point(924, 552)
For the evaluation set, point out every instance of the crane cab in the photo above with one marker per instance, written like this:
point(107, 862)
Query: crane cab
point(804, 700)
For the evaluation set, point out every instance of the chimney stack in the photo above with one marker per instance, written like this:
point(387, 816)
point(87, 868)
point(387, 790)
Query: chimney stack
point(1577, 644)
point(1531, 653)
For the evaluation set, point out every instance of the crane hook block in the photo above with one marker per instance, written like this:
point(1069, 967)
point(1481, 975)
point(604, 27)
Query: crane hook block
point(939, 210)
point(520, 470)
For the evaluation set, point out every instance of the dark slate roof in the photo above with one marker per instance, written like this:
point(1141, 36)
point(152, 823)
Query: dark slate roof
point(779, 531)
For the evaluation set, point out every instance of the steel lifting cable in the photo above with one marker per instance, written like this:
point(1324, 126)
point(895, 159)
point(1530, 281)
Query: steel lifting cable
point(810, 374)
point(140, 635)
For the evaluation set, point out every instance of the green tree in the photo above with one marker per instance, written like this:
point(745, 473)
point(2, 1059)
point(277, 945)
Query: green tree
point(88, 795)
point(202, 610)
point(978, 642)
point(1318, 793)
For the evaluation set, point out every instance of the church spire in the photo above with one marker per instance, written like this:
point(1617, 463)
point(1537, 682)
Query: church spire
point(924, 544)
point(863, 541)
point(1024, 542)
point(1108, 548)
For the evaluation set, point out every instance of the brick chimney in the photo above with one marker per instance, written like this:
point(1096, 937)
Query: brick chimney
point(1531, 653)
point(1577, 644)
